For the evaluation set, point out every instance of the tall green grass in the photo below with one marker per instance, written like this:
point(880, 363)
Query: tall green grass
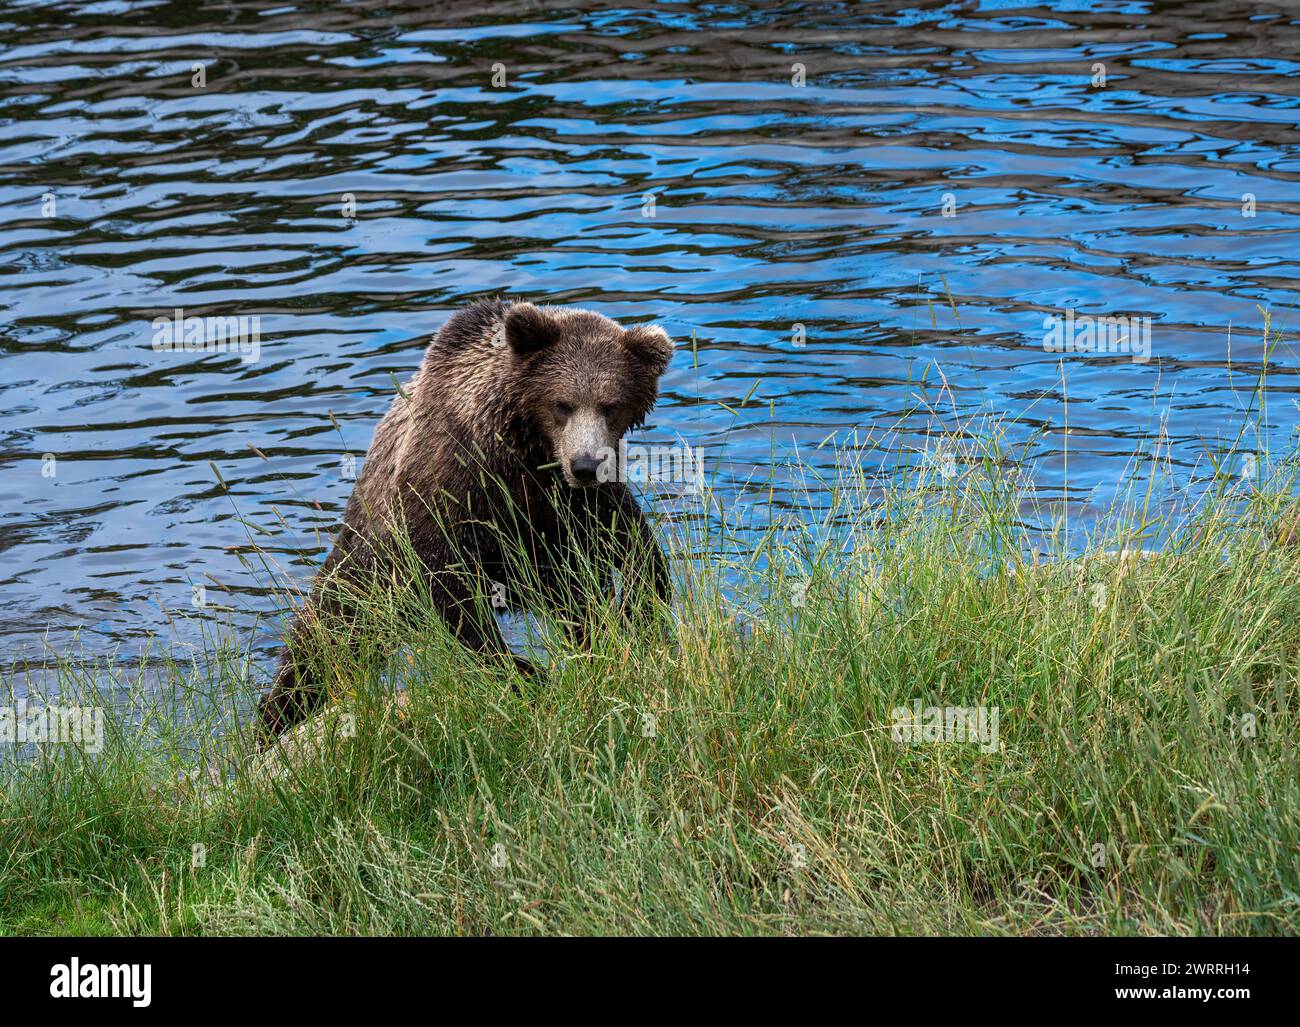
point(738, 775)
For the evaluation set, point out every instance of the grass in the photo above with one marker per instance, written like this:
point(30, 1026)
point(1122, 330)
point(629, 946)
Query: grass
point(742, 776)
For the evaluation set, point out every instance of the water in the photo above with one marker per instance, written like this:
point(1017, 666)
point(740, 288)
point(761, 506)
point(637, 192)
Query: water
point(774, 205)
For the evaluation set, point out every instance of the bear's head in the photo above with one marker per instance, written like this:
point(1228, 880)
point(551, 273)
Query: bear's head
point(586, 382)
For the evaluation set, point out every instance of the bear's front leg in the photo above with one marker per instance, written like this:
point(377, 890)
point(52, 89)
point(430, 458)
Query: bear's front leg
point(330, 628)
point(646, 584)
point(466, 611)
point(326, 627)
point(297, 689)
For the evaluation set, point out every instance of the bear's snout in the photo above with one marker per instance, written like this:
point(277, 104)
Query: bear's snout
point(583, 441)
point(583, 467)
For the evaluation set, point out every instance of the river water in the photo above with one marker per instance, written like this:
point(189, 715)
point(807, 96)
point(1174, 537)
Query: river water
point(919, 188)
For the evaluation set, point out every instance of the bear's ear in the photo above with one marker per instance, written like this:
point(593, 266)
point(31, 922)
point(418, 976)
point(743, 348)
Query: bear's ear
point(530, 329)
point(650, 344)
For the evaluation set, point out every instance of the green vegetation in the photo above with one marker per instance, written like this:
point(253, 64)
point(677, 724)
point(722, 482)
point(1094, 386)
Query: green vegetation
point(741, 774)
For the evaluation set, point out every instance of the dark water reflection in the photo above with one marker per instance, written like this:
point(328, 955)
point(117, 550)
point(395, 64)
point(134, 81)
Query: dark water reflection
point(821, 205)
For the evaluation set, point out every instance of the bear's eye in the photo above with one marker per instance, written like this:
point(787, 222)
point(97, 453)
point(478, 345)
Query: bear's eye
point(608, 410)
point(564, 409)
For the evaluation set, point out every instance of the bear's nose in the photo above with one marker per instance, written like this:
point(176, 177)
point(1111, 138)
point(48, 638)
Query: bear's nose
point(584, 469)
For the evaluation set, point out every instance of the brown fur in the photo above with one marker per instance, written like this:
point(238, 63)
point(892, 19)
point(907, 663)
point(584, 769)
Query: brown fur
point(460, 464)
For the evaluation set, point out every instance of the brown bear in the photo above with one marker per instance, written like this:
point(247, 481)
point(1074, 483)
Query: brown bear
point(499, 446)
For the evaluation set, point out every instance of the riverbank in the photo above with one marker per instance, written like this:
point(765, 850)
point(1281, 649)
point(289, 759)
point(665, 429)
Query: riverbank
point(870, 726)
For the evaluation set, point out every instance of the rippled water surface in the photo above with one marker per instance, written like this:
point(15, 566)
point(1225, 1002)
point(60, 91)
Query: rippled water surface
point(126, 191)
